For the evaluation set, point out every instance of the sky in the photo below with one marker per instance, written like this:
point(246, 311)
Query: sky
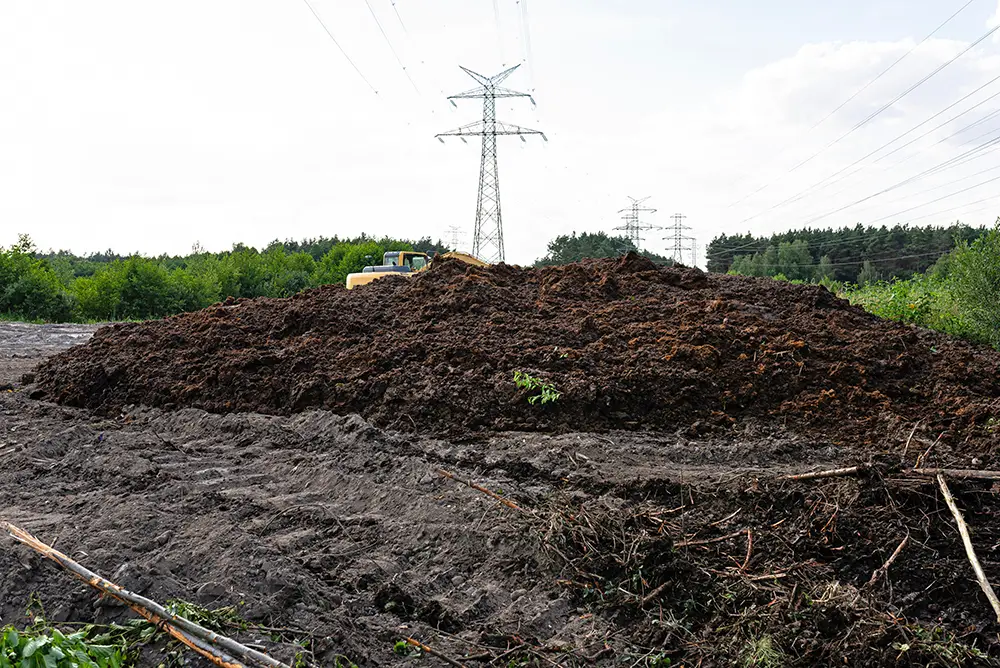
point(150, 127)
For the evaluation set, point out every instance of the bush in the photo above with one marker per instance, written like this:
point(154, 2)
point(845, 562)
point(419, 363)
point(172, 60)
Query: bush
point(29, 288)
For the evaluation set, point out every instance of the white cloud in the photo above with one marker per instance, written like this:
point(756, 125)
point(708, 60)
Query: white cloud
point(132, 126)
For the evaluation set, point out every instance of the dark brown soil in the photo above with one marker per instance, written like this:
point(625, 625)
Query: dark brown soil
point(630, 345)
point(218, 457)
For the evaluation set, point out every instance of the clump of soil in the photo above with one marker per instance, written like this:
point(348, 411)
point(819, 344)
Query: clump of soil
point(629, 344)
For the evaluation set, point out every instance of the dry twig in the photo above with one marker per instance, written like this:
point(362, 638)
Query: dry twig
point(205, 642)
point(493, 495)
point(963, 529)
point(884, 568)
point(832, 473)
point(433, 652)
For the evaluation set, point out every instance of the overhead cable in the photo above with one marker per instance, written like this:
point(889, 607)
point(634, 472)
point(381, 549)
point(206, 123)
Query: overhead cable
point(334, 40)
point(391, 47)
point(851, 98)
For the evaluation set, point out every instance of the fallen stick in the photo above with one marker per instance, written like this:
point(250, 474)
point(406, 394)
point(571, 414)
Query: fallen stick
point(653, 594)
point(494, 495)
point(832, 473)
point(203, 641)
point(963, 529)
point(433, 652)
point(884, 568)
point(910, 437)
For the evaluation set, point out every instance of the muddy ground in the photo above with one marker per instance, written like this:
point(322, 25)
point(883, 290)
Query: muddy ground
point(626, 548)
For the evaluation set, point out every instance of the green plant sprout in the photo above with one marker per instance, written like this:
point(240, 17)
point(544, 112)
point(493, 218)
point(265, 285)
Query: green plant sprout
point(545, 392)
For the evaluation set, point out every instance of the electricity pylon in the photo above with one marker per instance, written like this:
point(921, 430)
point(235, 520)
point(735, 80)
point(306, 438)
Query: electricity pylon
point(679, 239)
point(455, 236)
point(487, 239)
point(634, 226)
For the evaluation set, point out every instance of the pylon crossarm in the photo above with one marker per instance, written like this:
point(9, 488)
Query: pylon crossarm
point(476, 75)
point(511, 129)
point(470, 94)
point(500, 91)
point(471, 130)
point(497, 78)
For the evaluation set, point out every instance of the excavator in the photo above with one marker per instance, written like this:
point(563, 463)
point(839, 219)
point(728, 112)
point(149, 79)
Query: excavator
point(405, 263)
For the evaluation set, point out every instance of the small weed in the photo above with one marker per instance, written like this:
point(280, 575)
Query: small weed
point(544, 392)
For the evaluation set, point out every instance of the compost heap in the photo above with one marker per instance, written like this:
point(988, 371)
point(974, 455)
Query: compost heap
point(628, 344)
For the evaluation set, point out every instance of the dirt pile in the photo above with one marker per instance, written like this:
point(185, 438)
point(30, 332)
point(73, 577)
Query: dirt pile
point(630, 345)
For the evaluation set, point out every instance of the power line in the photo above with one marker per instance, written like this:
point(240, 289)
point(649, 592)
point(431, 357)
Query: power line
point(872, 116)
point(822, 245)
point(989, 116)
point(851, 263)
point(399, 18)
point(920, 206)
point(820, 184)
point(391, 47)
point(496, 19)
point(526, 38)
point(936, 169)
point(858, 92)
point(334, 39)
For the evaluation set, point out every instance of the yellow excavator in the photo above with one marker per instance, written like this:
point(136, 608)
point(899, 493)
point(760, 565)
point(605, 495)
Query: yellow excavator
point(405, 263)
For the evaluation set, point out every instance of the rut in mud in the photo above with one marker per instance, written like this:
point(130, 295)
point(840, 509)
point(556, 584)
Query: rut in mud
point(630, 345)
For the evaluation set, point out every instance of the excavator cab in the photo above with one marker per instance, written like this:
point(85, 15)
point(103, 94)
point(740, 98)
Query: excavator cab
point(393, 262)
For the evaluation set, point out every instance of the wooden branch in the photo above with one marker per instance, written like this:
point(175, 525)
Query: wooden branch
point(433, 652)
point(832, 473)
point(963, 529)
point(205, 642)
point(884, 568)
point(653, 594)
point(510, 504)
point(910, 437)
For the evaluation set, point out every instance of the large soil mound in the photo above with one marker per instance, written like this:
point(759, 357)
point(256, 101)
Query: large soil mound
point(630, 345)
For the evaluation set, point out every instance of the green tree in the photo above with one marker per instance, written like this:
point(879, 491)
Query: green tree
point(975, 276)
point(29, 288)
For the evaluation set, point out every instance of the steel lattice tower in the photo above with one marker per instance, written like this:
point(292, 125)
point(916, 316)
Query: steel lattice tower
point(487, 239)
point(679, 239)
point(633, 226)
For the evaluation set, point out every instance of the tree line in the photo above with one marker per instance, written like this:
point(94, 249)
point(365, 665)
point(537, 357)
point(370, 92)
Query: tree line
point(854, 255)
point(63, 287)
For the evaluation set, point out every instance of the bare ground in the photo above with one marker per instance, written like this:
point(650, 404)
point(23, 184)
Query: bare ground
point(631, 548)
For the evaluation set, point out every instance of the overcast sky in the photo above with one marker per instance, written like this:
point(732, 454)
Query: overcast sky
point(149, 126)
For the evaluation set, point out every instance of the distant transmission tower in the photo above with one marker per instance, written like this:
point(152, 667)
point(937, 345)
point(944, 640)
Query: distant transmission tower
point(455, 236)
point(675, 234)
point(694, 252)
point(487, 239)
point(633, 226)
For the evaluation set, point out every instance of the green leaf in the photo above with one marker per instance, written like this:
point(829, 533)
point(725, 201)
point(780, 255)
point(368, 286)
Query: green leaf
point(33, 645)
